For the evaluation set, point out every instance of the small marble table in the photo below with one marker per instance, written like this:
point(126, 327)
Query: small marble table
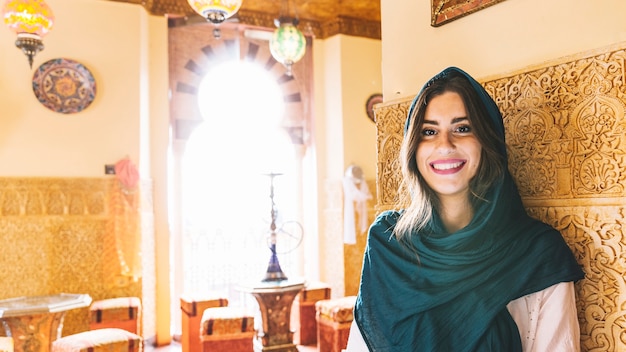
point(35, 322)
point(275, 299)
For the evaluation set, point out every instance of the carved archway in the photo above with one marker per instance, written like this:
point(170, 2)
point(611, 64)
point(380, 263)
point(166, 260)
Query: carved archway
point(193, 50)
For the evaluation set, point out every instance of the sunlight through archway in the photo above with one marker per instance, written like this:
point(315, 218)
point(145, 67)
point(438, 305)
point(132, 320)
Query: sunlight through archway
point(226, 204)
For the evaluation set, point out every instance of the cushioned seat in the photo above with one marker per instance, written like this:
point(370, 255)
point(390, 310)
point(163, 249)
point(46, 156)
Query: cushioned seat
point(334, 317)
point(122, 312)
point(100, 340)
point(227, 329)
point(303, 312)
point(192, 309)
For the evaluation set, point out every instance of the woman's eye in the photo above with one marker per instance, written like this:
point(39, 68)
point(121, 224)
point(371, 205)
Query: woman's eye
point(464, 129)
point(428, 132)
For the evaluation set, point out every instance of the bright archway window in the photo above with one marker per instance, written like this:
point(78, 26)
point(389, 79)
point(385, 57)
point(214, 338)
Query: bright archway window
point(225, 188)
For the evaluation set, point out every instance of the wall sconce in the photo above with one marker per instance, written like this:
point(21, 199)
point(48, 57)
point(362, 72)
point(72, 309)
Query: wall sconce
point(30, 20)
point(288, 44)
point(215, 11)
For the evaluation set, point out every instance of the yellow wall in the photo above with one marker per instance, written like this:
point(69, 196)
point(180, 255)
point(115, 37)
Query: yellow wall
point(347, 72)
point(504, 37)
point(37, 141)
point(157, 121)
point(360, 71)
point(126, 51)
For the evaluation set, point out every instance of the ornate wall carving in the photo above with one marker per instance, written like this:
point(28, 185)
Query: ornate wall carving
point(68, 235)
point(566, 138)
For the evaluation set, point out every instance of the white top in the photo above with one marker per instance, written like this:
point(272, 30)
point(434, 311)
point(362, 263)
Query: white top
point(547, 321)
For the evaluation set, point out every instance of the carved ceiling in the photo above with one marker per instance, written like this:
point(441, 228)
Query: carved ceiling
point(321, 18)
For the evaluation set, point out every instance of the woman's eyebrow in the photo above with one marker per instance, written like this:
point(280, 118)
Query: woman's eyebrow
point(454, 120)
point(459, 119)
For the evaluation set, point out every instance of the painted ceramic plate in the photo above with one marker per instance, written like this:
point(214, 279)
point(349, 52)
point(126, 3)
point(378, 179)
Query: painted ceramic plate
point(64, 85)
point(369, 105)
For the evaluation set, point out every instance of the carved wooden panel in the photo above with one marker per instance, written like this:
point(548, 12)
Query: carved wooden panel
point(566, 138)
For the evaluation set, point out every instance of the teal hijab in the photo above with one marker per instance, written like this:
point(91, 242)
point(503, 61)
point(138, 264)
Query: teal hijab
point(448, 292)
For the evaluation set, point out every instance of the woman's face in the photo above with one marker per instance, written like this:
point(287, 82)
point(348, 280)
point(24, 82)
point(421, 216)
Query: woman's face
point(448, 153)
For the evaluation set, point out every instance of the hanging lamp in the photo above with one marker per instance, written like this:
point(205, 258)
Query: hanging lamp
point(30, 20)
point(215, 11)
point(288, 44)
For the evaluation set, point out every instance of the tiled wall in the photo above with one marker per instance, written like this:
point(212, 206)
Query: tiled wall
point(68, 235)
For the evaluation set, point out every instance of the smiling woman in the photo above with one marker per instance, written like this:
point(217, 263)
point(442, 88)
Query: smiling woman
point(464, 251)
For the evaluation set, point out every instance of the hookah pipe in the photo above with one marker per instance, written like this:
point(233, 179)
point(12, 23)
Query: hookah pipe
point(274, 272)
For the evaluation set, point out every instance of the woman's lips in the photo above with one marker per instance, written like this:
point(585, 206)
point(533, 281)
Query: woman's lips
point(449, 166)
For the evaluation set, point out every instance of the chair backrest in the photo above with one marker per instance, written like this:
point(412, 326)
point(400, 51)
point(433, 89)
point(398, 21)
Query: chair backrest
point(566, 137)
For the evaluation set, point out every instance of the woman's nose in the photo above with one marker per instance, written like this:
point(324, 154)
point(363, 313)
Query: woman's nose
point(446, 144)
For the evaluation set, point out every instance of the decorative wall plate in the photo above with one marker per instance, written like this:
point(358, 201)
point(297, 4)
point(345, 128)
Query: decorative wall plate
point(369, 105)
point(64, 85)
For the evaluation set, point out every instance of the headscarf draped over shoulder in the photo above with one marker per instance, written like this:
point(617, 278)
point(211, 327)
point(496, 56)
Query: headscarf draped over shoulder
point(448, 292)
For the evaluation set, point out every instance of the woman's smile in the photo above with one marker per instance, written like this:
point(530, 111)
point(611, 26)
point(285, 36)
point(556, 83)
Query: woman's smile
point(447, 166)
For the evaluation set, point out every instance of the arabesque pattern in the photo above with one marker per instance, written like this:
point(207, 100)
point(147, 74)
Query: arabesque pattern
point(57, 238)
point(566, 138)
